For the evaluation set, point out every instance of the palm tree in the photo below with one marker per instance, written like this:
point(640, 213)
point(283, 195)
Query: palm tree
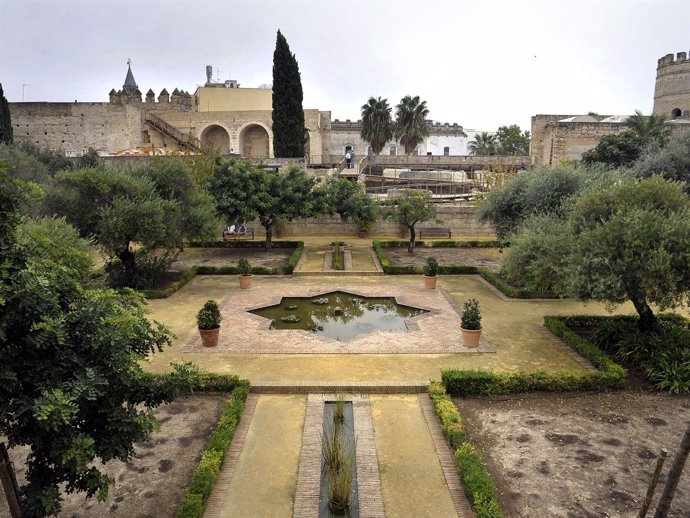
point(410, 122)
point(649, 127)
point(377, 125)
point(484, 143)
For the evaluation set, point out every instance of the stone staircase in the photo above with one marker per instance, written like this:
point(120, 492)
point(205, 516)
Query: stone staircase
point(185, 140)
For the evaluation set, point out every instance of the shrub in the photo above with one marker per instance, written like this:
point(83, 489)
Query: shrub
point(471, 316)
point(209, 316)
point(292, 262)
point(507, 289)
point(244, 267)
point(431, 267)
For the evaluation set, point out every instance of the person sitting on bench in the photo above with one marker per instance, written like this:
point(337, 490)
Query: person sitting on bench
point(230, 229)
point(243, 230)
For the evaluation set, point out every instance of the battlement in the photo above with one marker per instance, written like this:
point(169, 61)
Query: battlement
point(670, 59)
point(179, 98)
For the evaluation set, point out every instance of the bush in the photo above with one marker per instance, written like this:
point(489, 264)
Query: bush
point(244, 267)
point(609, 376)
point(507, 289)
point(475, 479)
point(208, 469)
point(471, 316)
point(294, 258)
point(209, 316)
point(149, 271)
point(185, 277)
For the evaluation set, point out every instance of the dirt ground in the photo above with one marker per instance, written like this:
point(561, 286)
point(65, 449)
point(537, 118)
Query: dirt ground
point(578, 455)
point(481, 257)
point(153, 483)
point(274, 258)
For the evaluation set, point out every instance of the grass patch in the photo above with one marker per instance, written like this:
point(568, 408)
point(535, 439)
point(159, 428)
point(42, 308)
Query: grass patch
point(392, 269)
point(609, 375)
point(476, 481)
point(208, 469)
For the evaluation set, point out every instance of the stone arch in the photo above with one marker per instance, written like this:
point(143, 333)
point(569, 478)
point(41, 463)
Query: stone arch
point(254, 142)
point(675, 113)
point(216, 137)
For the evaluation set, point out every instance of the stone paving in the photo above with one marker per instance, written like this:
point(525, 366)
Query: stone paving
point(435, 332)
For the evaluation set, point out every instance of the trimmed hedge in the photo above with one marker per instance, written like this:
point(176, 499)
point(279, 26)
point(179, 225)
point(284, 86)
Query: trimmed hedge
point(192, 272)
point(608, 376)
point(208, 469)
point(511, 291)
point(472, 243)
point(446, 269)
point(219, 243)
point(476, 481)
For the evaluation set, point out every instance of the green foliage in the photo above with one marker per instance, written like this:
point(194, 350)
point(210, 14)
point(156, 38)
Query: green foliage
point(544, 192)
point(511, 140)
point(151, 270)
point(53, 239)
point(289, 132)
point(72, 387)
point(671, 161)
point(350, 201)
point(244, 192)
point(377, 124)
point(608, 376)
point(23, 165)
point(431, 267)
point(209, 316)
point(507, 289)
point(184, 278)
point(6, 131)
point(484, 144)
point(649, 127)
point(244, 267)
point(409, 208)
point(155, 206)
point(410, 122)
point(475, 478)
point(294, 258)
point(338, 259)
point(471, 316)
point(618, 150)
point(208, 469)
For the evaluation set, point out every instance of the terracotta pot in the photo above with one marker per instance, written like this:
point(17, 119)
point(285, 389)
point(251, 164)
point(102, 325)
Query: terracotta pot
point(430, 282)
point(470, 337)
point(209, 337)
point(246, 281)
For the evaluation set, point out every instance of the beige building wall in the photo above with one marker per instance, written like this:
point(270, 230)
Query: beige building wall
point(672, 87)
point(209, 99)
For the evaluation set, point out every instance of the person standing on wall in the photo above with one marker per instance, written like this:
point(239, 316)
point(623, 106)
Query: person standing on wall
point(352, 159)
point(348, 156)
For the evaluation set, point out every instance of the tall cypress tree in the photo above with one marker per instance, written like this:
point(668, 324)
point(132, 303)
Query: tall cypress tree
point(6, 133)
point(288, 114)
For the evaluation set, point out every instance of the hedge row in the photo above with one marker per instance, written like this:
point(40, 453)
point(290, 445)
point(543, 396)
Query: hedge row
point(204, 381)
point(192, 272)
point(609, 375)
point(511, 291)
point(476, 482)
point(472, 243)
point(208, 469)
point(446, 269)
point(219, 243)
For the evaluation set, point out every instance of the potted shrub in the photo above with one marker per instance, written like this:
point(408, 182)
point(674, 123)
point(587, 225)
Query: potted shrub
point(471, 323)
point(245, 273)
point(208, 321)
point(430, 273)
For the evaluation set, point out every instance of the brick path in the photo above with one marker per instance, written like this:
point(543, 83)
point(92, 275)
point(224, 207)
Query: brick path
point(435, 332)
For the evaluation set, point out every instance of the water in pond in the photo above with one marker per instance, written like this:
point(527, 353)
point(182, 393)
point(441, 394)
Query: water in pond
point(339, 315)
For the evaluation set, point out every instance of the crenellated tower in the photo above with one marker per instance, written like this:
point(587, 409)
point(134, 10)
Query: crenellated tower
point(672, 88)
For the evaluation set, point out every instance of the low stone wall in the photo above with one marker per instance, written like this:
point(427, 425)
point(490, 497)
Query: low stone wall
point(460, 218)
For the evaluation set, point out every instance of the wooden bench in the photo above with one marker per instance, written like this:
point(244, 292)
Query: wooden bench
point(434, 231)
point(239, 235)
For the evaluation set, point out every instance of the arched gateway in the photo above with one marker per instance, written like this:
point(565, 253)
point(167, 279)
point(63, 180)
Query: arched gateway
point(216, 137)
point(254, 142)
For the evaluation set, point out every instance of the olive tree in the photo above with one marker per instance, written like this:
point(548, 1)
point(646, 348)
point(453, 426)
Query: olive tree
point(408, 209)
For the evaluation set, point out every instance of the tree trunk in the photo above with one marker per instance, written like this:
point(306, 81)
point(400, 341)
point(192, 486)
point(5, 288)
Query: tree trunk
point(673, 477)
point(410, 247)
point(269, 235)
point(128, 262)
point(648, 321)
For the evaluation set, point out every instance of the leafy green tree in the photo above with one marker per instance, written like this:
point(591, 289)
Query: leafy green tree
point(244, 192)
point(377, 124)
point(6, 130)
point(350, 201)
point(620, 150)
point(409, 208)
point(71, 386)
point(23, 165)
point(649, 127)
point(543, 192)
point(624, 240)
point(54, 160)
point(671, 161)
point(155, 207)
point(289, 132)
point(511, 140)
point(410, 122)
point(484, 144)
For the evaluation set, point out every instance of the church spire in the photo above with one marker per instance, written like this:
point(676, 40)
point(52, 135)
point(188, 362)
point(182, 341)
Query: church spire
point(130, 85)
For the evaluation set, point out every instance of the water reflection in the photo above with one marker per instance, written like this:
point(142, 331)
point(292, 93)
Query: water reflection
point(355, 315)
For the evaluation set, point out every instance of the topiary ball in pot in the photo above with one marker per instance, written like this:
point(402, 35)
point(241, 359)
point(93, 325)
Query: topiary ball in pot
point(208, 321)
point(471, 323)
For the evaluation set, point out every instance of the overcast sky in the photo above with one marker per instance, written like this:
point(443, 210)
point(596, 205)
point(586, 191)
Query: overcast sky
point(481, 64)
